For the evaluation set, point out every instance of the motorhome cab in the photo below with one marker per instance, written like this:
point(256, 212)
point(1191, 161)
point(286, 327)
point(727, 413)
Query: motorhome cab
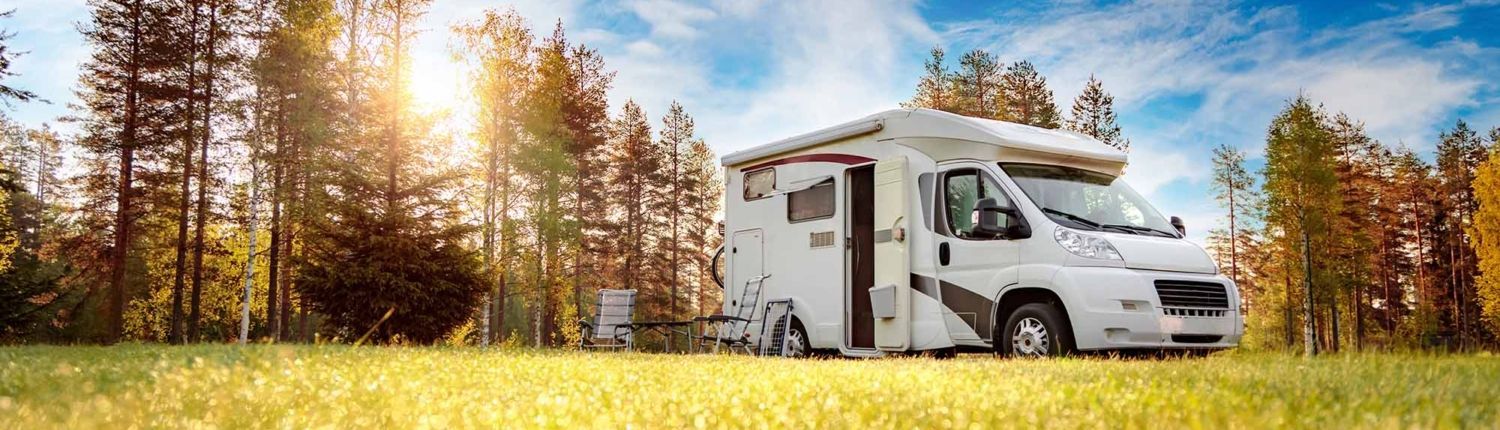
point(920, 230)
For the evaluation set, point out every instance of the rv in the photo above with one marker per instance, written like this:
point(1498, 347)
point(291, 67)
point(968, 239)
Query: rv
point(917, 230)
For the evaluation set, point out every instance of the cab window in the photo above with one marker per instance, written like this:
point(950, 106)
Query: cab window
point(962, 190)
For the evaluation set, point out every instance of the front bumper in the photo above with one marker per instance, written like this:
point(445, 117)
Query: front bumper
point(1118, 308)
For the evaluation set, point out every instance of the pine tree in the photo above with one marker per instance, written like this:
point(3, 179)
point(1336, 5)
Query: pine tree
point(1094, 115)
point(676, 143)
point(392, 255)
point(1027, 98)
point(547, 166)
point(498, 47)
point(586, 115)
point(8, 93)
point(633, 168)
point(977, 86)
point(1300, 189)
point(936, 88)
point(1232, 186)
point(127, 94)
point(1460, 152)
point(702, 206)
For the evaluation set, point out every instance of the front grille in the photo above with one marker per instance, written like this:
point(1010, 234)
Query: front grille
point(1193, 312)
point(1191, 294)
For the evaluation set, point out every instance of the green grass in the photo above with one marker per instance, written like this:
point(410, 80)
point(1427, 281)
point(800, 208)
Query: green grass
point(342, 387)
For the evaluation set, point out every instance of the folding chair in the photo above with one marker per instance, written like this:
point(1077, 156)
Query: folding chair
point(611, 326)
point(776, 322)
point(731, 330)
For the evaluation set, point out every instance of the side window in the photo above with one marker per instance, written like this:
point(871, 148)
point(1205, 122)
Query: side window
point(759, 184)
point(812, 203)
point(962, 190)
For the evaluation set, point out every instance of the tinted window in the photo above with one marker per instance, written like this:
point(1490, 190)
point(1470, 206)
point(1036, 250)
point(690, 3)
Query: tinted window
point(812, 203)
point(759, 184)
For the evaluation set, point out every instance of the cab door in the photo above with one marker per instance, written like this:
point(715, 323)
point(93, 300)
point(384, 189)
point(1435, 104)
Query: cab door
point(890, 299)
point(972, 266)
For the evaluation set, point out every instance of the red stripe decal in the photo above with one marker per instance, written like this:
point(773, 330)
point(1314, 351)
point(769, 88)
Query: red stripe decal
point(813, 158)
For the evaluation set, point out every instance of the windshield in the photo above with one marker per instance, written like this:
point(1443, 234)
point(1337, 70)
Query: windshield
point(1089, 200)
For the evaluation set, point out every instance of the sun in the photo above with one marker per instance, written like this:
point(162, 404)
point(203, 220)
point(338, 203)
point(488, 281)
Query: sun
point(436, 84)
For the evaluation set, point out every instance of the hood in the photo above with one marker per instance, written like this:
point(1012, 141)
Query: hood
point(1162, 253)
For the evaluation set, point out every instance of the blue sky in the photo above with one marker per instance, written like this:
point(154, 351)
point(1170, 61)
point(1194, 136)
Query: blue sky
point(1186, 75)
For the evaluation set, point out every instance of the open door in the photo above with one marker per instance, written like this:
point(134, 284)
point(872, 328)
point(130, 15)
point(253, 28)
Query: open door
point(890, 300)
point(861, 255)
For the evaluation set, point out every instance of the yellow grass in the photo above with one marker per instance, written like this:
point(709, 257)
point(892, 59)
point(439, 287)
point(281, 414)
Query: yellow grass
point(343, 387)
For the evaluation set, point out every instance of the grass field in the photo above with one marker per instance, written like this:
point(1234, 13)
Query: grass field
point(341, 387)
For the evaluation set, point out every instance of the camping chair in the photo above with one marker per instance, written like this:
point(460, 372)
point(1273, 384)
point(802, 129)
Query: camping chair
point(730, 330)
point(611, 327)
point(776, 322)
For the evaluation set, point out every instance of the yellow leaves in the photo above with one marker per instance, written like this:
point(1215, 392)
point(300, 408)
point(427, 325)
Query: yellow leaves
point(1485, 229)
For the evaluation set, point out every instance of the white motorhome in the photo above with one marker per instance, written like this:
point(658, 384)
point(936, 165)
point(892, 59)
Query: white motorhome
point(920, 230)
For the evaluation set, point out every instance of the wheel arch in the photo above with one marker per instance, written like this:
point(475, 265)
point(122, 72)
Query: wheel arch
point(1017, 296)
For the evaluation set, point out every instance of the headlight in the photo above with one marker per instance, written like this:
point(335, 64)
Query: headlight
point(1085, 245)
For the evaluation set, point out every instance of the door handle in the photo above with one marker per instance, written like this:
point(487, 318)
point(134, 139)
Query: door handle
point(943, 253)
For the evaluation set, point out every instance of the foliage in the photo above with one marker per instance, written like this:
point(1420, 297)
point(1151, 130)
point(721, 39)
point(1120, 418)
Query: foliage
point(1027, 98)
point(1094, 115)
point(1485, 230)
point(277, 386)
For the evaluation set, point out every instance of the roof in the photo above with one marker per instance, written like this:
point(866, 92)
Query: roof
point(927, 123)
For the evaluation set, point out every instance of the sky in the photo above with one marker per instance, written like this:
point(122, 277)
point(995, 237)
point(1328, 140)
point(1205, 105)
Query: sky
point(1186, 76)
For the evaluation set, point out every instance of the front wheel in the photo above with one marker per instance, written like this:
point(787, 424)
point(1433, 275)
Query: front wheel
point(1035, 330)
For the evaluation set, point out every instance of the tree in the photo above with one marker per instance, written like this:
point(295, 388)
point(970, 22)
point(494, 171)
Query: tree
point(9, 93)
point(635, 169)
point(391, 259)
point(1460, 152)
point(1094, 115)
point(977, 86)
point(498, 48)
point(1485, 230)
point(585, 112)
point(1300, 189)
point(675, 144)
point(702, 205)
point(125, 93)
point(1027, 98)
point(1232, 186)
point(935, 90)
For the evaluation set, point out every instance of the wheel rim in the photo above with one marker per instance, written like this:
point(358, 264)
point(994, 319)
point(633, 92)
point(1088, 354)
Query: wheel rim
point(1030, 338)
point(795, 344)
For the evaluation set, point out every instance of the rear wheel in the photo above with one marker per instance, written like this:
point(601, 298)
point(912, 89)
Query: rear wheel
point(1035, 330)
point(796, 341)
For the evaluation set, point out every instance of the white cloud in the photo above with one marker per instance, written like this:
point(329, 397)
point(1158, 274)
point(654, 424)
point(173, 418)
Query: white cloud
point(670, 18)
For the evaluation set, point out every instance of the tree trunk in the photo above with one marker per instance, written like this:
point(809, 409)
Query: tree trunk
point(1309, 330)
point(201, 217)
point(115, 314)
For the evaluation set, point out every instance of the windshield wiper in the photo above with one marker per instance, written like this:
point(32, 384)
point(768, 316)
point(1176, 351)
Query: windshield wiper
point(1074, 218)
point(1139, 229)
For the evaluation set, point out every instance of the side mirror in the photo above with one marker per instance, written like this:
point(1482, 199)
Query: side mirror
point(1177, 224)
point(990, 221)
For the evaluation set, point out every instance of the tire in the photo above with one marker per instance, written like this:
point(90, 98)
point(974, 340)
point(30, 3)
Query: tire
point(1035, 330)
point(796, 341)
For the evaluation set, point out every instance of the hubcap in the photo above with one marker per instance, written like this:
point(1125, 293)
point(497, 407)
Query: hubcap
point(1030, 338)
point(795, 344)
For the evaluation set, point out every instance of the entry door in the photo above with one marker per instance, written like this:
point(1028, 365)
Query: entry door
point(892, 259)
point(970, 268)
point(746, 264)
point(861, 254)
